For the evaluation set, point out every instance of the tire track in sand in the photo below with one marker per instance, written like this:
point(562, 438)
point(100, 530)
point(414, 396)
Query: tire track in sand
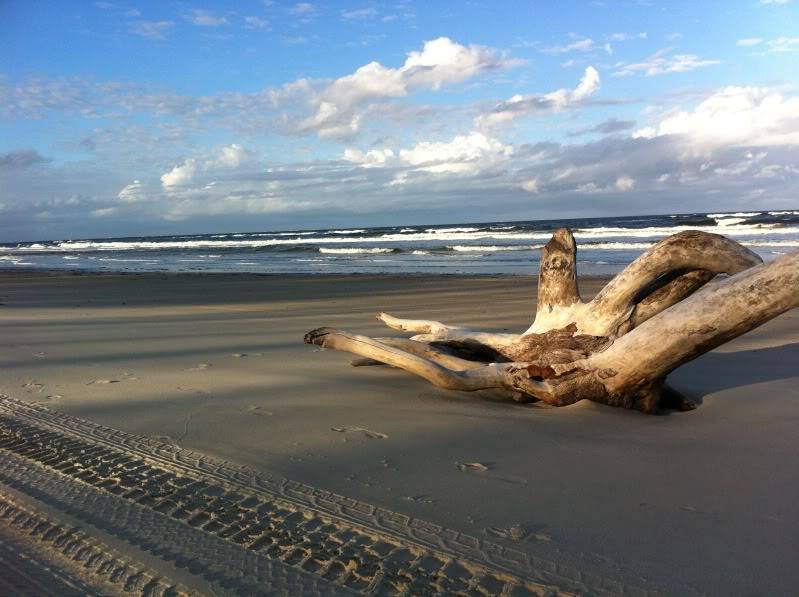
point(299, 531)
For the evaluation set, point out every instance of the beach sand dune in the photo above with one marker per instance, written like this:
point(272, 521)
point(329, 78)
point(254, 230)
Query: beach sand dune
point(591, 497)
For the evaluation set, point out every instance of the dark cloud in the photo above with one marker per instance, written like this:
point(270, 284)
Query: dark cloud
point(609, 126)
point(612, 175)
point(136, 135)
point(18, 160)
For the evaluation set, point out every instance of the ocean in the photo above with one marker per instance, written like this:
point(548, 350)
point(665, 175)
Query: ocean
point(605, 246)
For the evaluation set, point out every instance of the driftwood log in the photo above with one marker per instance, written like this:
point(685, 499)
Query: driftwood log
point(686, 295)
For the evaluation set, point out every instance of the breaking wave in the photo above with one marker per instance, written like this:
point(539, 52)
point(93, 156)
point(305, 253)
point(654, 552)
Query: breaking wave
point(606, 245)
point(356, 250)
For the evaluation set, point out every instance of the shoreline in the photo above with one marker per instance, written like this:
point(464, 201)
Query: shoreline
point(686, 503)
point(52, 272)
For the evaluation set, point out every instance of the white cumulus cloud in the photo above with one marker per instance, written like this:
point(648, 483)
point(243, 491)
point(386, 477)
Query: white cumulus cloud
point(132, 193)
point(531, 185)
point(735, 116)
point(370, 159)
point(624, 183)
point(440, 62)
point(464, 153)
point(231, 156)
point(180, 175)
point(525, 105)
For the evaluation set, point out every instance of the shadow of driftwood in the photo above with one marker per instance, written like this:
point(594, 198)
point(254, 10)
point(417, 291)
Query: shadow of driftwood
point(717, 371)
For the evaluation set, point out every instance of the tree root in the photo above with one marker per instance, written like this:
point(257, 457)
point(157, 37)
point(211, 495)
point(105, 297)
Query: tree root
point(617, 349)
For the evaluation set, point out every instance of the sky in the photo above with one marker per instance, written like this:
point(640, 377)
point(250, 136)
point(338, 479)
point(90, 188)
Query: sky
point(160, 117)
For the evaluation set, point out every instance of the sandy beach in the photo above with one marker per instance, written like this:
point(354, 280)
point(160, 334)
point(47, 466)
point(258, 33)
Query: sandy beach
point(700, 502)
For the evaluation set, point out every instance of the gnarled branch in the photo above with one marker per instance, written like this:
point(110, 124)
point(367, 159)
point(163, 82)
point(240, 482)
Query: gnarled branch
point(657, 314)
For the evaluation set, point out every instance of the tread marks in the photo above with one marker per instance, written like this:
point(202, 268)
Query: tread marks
point(92, 558)
point(352, 544)
point(208, 562)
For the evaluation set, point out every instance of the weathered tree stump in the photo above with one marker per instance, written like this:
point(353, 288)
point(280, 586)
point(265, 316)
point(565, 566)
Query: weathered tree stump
point(686, 295)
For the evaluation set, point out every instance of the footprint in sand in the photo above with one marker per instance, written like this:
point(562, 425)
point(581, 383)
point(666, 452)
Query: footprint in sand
point(200, 367)
point(514, 533)
point(419, 499)
point(258, 411)
point(368, 433)
point(49, 398)
point(472, 467)
point(384, 462)
point(126, 376)
point(518, 533)
point(193, 390)
point(484, 467)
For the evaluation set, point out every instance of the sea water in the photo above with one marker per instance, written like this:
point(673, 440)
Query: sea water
point(605, 246)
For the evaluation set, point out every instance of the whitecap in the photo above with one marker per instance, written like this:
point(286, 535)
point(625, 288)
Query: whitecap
point(488, 248)
point(615, 246)
point(737, 214)
point(351, 250)
point(449, 230)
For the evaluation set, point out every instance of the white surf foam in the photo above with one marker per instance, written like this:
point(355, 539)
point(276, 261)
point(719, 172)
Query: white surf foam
point(461, 236)
point(737, 214)
point(489, 248)
point(771, 243)
point(354, 250)
point(128, 260)
point(450, 230)
point(660, 231)
point(619, 246)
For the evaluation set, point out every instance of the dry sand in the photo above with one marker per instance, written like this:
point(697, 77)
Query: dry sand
point(686, 503)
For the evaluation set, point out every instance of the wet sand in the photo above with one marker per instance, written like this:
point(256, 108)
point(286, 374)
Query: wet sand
point(686, 503)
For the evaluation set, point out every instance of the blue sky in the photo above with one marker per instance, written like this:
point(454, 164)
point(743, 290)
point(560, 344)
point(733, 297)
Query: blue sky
point(121, 118)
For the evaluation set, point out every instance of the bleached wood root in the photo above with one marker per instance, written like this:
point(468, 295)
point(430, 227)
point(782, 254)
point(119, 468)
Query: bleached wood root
point(635, 363)
point(509, 376)
point(557, 278)
point(670, 271)
point(432, 331)
point(417, 326)
point(670, 294)
point(422, 349)
point(613, 311)
point(659, 313)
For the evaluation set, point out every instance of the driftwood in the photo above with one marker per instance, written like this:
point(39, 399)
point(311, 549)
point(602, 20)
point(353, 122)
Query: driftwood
point(686, 295)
